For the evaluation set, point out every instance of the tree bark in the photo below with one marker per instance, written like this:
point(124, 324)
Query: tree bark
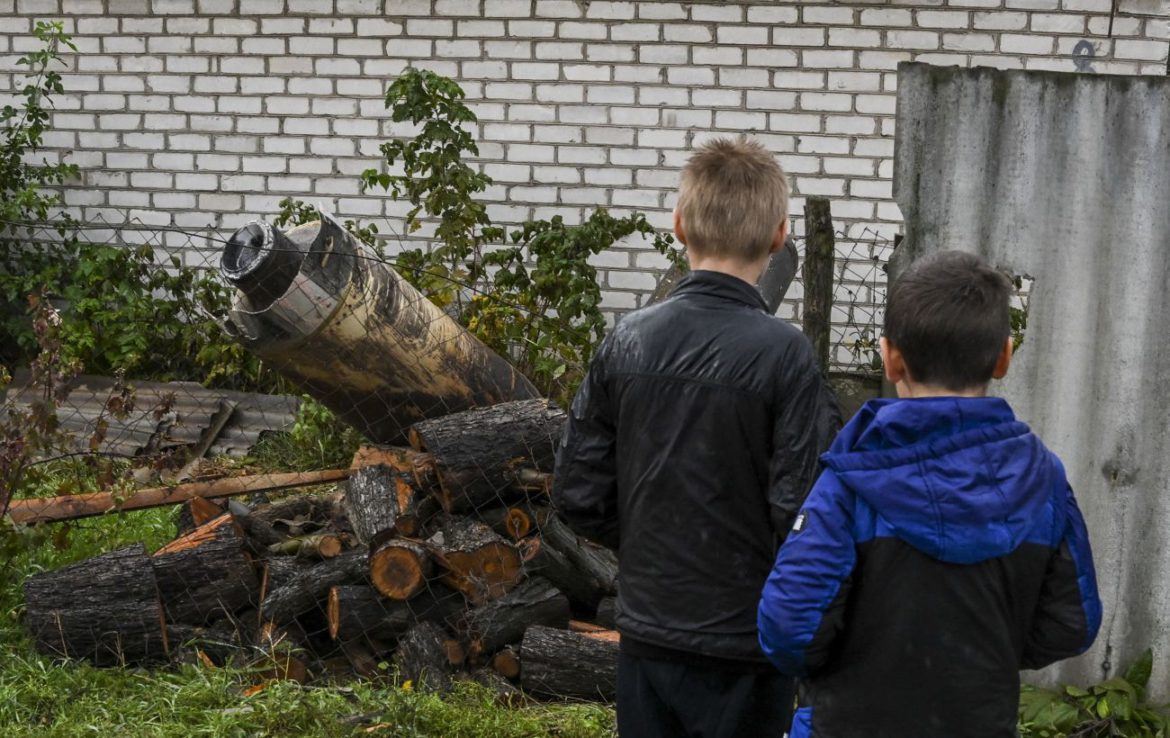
point(817, 276)
point(399, 568)
point(106, 609)
point(358, 611)
point(206, 574)
point(422, 658)
point(500, 622)
point(475, 560)
point(478, 453)
point(584, 571)
point(308, 587)
point(316, 546)
point(558, 663)
point(380, 500)
point(606, 613)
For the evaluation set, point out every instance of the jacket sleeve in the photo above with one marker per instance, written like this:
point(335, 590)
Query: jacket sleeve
point(585, 478)
point(807, 421)
point(802, 607)
point(1068, 614)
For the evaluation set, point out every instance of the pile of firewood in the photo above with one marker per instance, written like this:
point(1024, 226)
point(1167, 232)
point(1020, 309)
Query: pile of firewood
point(443, 559)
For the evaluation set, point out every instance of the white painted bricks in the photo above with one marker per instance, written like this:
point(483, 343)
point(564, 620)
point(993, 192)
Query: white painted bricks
point(202, 112)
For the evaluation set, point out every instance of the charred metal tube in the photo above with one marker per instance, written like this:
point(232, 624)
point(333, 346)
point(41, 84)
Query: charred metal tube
point(327, 313)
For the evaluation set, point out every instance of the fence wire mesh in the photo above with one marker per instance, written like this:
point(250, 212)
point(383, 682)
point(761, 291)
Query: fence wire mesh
point(361, 489)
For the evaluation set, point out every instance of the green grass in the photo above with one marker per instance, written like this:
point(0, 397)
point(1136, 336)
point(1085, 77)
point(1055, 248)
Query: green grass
point(48, 698)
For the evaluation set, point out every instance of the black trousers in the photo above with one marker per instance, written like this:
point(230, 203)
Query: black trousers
point(663, 699)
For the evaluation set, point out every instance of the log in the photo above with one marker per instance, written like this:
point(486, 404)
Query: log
point(318, 508)
point(514, 522)
point(565, 665)
point(584, 587)
point(474, 560)
point(606, 613)
point(308, 587)
point(399, 569)
point(106, 609)
point(317, 546)
point(478, 453)
point(495, 624)
point(195, 512)
point(73, 507)
point(506, 663)
point(400, 458)
point(219, 643)
point(260, 535)
point(506, 693)
point(817, 277)
point(381, 499)
point(206, 574)
point(358, 612)
point(595, 565)
point(282, 655)
point(422, 658)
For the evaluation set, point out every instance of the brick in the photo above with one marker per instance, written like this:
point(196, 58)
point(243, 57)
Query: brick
point(968, 42)
point(717, 13)
point(534, 71)
point(717, 98)
point(569, 29)
point(690, 76)
point(640, 33)
point(663, 96)
point(688, 34)
point(854, 37)
point(737, 120)
point(632, 280)
point(1019, 44)
point(429, 27)
point(771, 58)
point(609, 52)
point(454, 7)
point(820, 186)
point(559, 50)
point(381, 27)
point(942, 19)
point(771, 100)
point(876, 104)
point(822, 145)
point(744, 77)
point(587, 72)
point(747, 35)
point(826, 101)
point(104, 102)
point(632, 157)
point(1144, 50)
point(505, 49)
point(558, 9)
point(1034, 4)
point(187, 64)
point(375, 47)
point(718, 55)
point(173, 7)
point(610, 94)
point(583, 114)
point(816, 59)
point(999, 20)
point(798, 80)
point(610, 9)
point(798, 36)
point(124, 45)
point(657, 54)
point(506, 132)
point(850, 124)
point(662, 11)
point(885, 17)
point(880, 189)
point(789, 122)
point(532, 29)
point(663, 139)
point(882, 59)
point(508, 8)
point(234, 27)
point(912, 39)
point(310, 126)
point(637, 73)
point(855, 81)
point(1058, 23)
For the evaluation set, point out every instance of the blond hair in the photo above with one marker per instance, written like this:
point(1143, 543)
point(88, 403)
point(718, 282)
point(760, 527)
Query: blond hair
point(732, 198)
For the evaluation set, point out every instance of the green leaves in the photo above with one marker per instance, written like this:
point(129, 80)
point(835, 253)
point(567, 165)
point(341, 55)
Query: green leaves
point(1115, 707)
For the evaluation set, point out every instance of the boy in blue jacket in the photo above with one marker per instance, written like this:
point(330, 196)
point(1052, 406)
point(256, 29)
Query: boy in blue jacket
point(941, 550)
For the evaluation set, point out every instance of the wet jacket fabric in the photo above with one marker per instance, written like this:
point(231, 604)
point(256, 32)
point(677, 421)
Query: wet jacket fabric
point(939, 553)
point(689, 447)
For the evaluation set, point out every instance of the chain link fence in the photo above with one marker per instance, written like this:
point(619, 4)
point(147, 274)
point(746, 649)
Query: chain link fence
point(356, 486)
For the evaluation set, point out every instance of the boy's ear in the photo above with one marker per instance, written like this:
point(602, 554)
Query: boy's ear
point(779, 238)
point(679, 233)
point(892, 361)
point(1004, 361)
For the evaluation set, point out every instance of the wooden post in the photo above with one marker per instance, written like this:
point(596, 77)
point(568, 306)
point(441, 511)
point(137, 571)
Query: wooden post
point(818, 276)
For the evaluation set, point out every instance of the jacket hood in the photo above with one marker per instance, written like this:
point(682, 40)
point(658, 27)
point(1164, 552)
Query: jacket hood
point(958, 478)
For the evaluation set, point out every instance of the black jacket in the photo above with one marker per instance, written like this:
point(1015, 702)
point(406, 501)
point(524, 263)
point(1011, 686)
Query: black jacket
point(940, 552)
point(690, 446)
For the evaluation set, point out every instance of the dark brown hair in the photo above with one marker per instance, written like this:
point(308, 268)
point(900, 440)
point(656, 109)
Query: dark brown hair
point(948, 315)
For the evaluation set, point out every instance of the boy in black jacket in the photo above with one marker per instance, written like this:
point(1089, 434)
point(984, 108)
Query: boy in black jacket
point(942, 550)
point(689, 447)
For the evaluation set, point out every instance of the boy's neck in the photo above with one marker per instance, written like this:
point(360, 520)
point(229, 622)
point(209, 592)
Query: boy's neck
point(747, 271)
point(915, 390)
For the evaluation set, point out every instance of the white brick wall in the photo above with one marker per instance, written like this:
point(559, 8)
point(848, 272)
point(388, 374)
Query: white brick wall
point(206, 112)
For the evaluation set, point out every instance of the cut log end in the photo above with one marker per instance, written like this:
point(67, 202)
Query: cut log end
point(506, 663)
point(399, 569)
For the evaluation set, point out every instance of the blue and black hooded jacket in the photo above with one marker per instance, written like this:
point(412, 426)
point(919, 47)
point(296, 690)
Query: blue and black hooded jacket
point(939, 553)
